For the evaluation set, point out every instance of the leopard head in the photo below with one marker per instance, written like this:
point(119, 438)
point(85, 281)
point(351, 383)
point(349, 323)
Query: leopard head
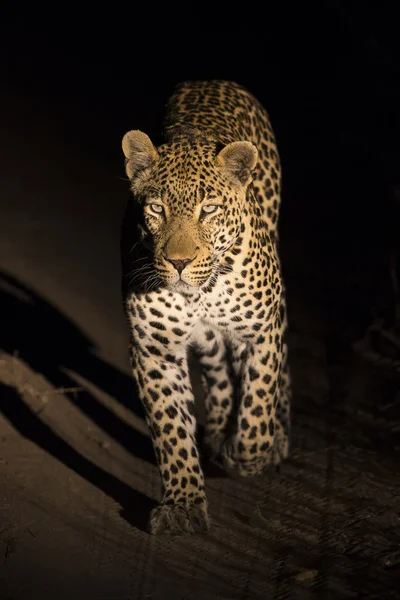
point(191, 196)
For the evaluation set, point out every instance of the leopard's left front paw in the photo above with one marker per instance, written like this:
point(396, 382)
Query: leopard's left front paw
point(237, 460)
point(243, 464)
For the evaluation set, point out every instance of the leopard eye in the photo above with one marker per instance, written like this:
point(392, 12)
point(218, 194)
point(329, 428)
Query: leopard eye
point(209, 209)
point(156, 208)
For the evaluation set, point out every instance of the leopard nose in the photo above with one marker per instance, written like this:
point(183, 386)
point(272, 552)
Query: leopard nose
point(180, 263)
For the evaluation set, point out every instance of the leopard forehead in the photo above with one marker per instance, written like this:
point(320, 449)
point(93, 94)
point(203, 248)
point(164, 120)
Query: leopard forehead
point(186, 174)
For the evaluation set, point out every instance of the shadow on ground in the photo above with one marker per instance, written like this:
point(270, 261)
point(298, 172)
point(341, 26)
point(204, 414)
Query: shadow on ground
point(52, 345)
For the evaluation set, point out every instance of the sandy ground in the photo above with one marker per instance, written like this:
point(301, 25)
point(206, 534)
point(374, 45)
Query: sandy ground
point(77, 471)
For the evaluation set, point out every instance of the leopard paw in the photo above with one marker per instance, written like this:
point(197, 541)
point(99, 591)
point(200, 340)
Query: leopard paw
point(237, 461)
point(179, 519)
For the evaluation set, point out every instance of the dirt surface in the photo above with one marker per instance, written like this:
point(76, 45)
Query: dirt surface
point(77, 472)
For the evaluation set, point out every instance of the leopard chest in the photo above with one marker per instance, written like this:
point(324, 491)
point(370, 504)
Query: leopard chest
point(239, 312)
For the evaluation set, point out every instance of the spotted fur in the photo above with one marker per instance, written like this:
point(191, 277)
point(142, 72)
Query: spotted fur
point(204, 272)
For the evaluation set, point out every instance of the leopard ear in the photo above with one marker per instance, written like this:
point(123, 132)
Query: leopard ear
point(238, 160)
point(139, 152)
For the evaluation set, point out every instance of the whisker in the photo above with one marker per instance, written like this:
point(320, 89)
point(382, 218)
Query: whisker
point(134, 246)
point(151, 282)
point(141, 274)
point(138, 269)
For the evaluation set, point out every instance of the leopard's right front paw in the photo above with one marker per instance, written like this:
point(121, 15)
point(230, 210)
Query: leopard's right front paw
point(179, 519)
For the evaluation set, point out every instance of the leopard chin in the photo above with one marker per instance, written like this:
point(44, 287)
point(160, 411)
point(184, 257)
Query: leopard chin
point(184, 287)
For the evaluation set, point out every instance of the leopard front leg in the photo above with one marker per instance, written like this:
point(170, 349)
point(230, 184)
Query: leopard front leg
point(212, 354)
point(165, 390)
point(258, 439)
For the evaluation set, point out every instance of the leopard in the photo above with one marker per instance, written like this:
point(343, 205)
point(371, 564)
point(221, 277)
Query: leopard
point(204, 275)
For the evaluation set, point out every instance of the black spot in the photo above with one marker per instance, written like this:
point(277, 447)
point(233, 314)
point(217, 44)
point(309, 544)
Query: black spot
point(244, 424)
point(160, 338)
point(271, 427)
point(140, 331)
point(156, 312)
point(178, 331)
point(182, 433)
point(253, 433)
point(183, 453)
point(141, 312)
point(266, 358)
point(257, 410)
point(253, 374)
point(248, 401)
point(154, 374)
point(153, 350)
point(223, 385)
point(167, 428)
point(168, 447)
point(210, 335)
point(153, 394)
point(157, 325)
point(171, 412)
